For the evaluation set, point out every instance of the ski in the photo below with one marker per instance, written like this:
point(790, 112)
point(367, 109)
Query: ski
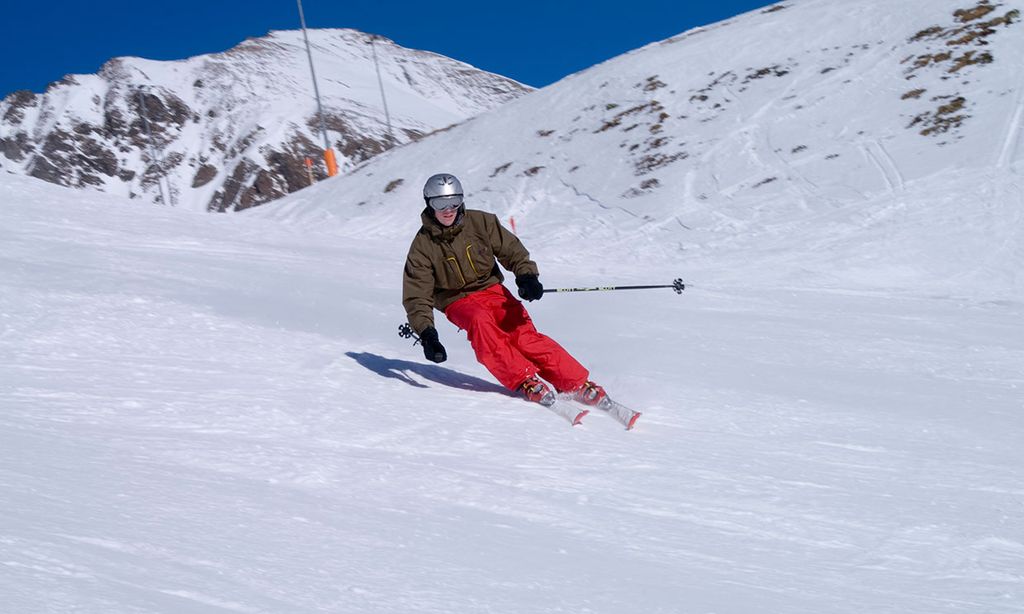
point(568, 411)
point(623, 415)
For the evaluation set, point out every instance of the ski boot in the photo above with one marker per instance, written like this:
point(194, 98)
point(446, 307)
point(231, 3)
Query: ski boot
point(537, 391)
point(589, 394)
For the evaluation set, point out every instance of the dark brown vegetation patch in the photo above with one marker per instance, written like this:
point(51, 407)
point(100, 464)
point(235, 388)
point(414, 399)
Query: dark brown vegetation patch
point(971, 14)
point(768, 71)
point(654, 161)
point(947, 117)
point(653, 83)
point(971, 58)
point(616, 120)
point(973, 26)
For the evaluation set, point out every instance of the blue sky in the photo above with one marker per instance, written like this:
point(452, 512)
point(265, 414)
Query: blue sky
point(536, 42)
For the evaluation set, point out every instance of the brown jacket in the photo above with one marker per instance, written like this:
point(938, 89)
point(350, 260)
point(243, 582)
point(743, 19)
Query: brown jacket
point(446, 264)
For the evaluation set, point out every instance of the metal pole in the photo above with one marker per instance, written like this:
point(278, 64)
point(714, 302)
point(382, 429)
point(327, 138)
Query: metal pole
point(676, 285)
point(380, 83)
point(153, 158)
point(328, 154)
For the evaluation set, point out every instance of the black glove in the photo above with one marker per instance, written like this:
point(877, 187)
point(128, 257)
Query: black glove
point(432, 348)
point(530, 287)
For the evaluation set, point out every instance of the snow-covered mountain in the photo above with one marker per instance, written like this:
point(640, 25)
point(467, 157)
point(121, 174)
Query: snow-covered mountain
point(232, 130)
point(815, 126)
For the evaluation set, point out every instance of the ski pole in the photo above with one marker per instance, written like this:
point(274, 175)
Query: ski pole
point(405, 332)
point(676, 285)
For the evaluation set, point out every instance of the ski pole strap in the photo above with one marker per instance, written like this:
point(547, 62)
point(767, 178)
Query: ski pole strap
point(676, 285)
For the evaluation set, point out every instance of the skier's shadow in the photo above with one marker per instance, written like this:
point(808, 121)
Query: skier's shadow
point(399, 369)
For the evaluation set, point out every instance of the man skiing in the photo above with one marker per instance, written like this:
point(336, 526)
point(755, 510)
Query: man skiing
point(452, 266)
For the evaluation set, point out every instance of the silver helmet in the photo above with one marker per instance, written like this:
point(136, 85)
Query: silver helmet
point(443, 191)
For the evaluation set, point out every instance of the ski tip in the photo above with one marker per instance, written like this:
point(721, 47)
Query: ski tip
point(579, 417)
point(632, 421)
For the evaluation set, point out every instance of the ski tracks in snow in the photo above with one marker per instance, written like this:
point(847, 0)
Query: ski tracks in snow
point(887, 168)
point(1011, 144)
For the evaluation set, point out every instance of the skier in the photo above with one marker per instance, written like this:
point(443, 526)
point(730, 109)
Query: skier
point(452, 266)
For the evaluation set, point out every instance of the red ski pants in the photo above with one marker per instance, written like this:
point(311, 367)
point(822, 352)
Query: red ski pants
point(507, 343)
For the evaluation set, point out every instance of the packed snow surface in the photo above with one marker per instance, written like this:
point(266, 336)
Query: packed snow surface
point(217, 414)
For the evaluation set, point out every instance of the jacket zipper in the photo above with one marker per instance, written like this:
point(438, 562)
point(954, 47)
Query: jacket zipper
point(458, 269)
point(470, 258)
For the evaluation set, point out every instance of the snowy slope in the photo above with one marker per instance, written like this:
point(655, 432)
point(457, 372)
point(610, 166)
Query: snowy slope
point(788, 131)
point(217, 415)
point(231, 130)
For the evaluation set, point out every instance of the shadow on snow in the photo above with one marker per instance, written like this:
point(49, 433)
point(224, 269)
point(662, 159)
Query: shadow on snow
point(400, 370)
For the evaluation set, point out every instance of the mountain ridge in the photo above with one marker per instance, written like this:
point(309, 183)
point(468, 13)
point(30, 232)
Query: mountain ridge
point(232, 129)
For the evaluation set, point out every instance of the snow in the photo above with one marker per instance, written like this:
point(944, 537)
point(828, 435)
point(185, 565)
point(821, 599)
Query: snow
point(216, 413)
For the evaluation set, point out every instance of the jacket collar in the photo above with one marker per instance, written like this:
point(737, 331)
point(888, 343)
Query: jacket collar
point(436, 230)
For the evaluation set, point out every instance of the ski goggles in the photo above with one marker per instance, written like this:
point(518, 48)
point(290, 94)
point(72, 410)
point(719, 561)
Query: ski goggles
point(443, 203)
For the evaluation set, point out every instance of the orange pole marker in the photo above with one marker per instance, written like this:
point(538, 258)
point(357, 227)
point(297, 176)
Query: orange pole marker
point(309, 170)
point(332, 163)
